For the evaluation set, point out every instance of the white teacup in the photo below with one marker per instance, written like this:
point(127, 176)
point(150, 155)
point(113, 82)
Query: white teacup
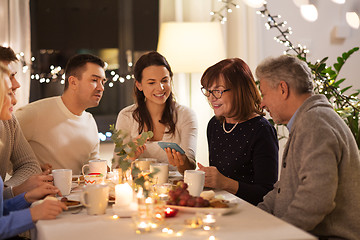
point(163, 174)
point(96, 166)
point(144, 163)
point(62, 180)
point(95, 198)
point(195, 181)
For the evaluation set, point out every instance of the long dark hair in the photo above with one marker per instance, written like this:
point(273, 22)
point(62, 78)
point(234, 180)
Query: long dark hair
point(238, 77)
point(141, 113)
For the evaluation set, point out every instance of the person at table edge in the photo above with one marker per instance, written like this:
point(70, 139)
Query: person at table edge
point(318, 190)
point(17, 157)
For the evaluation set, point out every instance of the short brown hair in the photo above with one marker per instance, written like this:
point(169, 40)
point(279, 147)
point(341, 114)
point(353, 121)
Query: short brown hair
point(7, 54)
point(76, 63)
point(238, 77)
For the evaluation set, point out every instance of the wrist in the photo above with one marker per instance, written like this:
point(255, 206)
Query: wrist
point(16, 190)
point(26, 196)
point(229, 184)
point(32, 213)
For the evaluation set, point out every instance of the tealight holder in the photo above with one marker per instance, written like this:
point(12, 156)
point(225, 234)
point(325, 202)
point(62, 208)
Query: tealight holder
point(207, 220)
point(193, 222)
point(142, 224)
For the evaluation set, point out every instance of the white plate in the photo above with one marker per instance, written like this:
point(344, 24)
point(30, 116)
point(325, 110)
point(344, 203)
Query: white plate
point(232, 207)
point(75, 206)
point(173, 174)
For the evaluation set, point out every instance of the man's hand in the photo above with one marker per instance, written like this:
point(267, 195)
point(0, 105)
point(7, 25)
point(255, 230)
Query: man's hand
point(48, 209)
point(33, 182)
point(41, 192)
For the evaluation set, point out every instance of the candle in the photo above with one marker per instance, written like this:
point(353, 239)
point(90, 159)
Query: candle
point(142, 224)
point(169, 212)
point(123, 194)
point(208, 221)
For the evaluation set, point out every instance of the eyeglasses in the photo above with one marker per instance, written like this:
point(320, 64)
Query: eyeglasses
point(216, 93)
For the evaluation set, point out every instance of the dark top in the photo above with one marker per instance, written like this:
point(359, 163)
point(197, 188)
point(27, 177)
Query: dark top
point(248, 154)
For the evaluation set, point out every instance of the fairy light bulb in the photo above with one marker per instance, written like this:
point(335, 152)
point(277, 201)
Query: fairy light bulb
point(309, 12)
point(254, 3)
point(352, 18)
point(339, 1)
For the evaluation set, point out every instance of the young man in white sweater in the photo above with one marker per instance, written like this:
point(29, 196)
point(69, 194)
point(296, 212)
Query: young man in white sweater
point(59, 130)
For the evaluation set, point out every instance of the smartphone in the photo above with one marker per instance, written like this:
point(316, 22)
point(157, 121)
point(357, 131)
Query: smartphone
point(171, 145)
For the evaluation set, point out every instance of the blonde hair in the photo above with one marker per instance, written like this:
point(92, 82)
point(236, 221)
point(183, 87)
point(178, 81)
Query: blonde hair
point(4, 70)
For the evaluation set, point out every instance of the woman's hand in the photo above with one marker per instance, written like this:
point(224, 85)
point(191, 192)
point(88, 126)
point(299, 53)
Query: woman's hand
point(214, 179)
point(41, 192)
point(139, 150)
point(48, 209)
point(179, 160)
point(175, 158)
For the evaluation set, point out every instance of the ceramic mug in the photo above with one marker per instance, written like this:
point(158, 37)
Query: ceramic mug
point(195, 180)
point(144, 163)
point(96, 166)
point(95, 198)
point(63, 180)
point(93, 178)
point(163, 174)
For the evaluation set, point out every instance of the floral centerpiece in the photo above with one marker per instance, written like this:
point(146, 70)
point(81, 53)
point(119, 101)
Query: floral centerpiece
point(126, 154)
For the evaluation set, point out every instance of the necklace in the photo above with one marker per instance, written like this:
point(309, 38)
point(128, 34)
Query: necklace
point(231, 128)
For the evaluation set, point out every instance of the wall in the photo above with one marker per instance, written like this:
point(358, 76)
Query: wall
point(247, 38)
point(15, 32)
point(317, 36)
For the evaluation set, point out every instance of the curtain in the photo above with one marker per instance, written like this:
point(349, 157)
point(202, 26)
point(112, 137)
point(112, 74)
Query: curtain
point(15, 32)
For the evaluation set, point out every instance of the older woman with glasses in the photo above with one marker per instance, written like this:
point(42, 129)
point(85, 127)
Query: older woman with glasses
point(243, 145)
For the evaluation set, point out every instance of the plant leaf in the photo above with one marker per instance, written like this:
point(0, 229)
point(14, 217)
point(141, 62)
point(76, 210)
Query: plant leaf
point(340, 60)
point(345, 89)
point(337, 83)
point(337, 67)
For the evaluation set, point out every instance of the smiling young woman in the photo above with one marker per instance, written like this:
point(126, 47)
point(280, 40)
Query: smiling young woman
point(156, 110)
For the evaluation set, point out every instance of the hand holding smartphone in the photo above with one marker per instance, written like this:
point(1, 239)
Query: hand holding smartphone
point(171, 145)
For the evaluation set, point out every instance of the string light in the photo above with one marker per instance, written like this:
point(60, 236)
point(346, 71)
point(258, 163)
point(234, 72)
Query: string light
point(324, 83)
point(221, 13)
point(283, 38)
point(57, 73)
